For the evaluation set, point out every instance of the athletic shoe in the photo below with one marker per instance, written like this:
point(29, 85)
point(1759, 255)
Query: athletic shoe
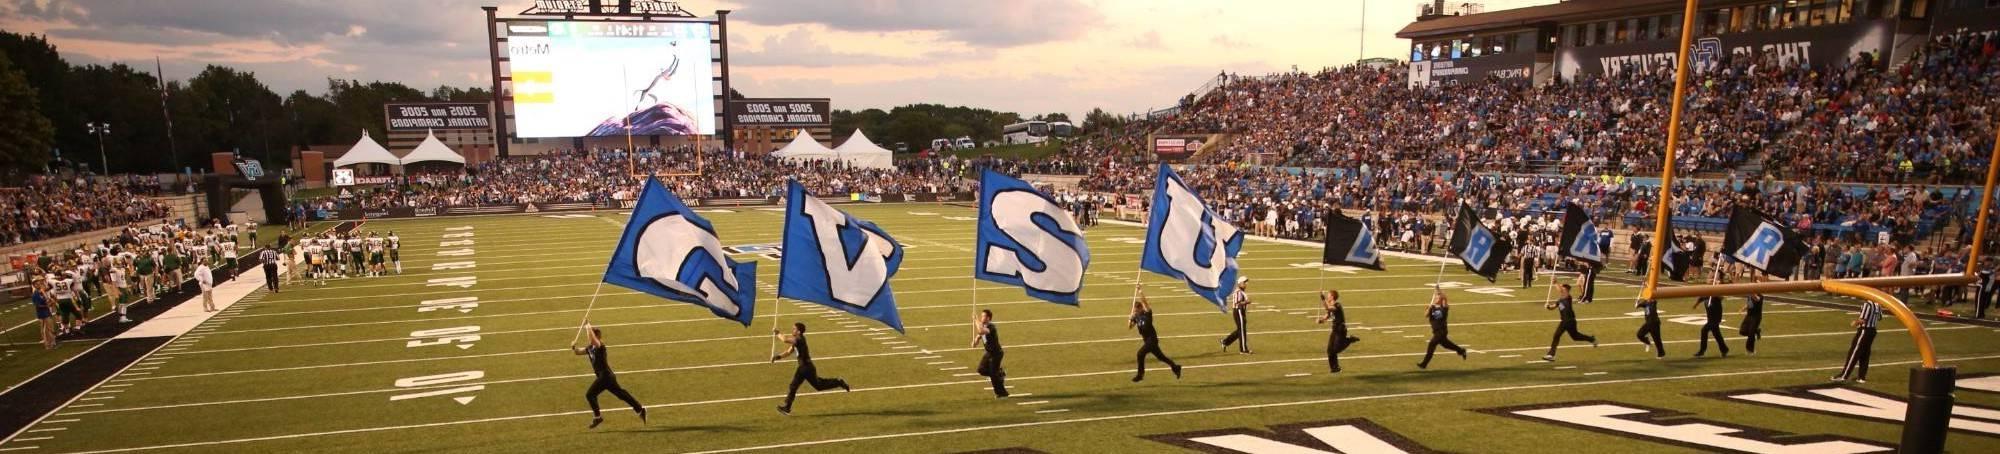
point(1423, 365)
point(642, 415)
point(594, 421)
point(844, 388)
point(1549, 358)
point(1649, 347)
point(1000, 396)
point(1837, 379)
point(1725, 353)
point(1137, 378)
point(787, 411)
point(1860, 380)
point(1177, 371)
point(1461, 354)
point(122, 319)
point(1335, 370)
point(1593, 343)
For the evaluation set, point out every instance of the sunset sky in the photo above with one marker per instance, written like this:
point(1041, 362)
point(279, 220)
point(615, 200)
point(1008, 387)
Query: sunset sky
point(1028, 56)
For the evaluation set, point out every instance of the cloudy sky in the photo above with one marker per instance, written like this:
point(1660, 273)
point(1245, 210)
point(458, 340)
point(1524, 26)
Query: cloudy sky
point(1029, 56)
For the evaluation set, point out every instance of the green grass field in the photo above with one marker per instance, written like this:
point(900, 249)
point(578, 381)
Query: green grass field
point(316, 368)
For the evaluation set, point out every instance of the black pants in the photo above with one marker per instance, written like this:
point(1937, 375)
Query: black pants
point(989, 366)
point(1589, 285)
point(1437, 339)
point(271, 276)
point(1650, 331)
point(1857, 354)
point(1752, 329)
point(1242, 332)
point(809, 374)
point(1335, 344)
point(609, 384)
point(1568, 326)
point(1712, 329)
point(1152, 346)
point(1528, 274)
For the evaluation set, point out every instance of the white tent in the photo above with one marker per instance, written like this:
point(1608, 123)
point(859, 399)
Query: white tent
point(366, 151)
point(858, 151)
point(432, 150)
point(803, 147)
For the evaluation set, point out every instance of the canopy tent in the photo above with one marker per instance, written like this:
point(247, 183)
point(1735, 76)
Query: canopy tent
point(366, 151)
point(803, 147)
point(858, 151)
point(432, 150)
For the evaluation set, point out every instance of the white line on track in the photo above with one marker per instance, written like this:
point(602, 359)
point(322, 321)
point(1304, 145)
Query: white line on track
point(1058, 410)
point(1036, 402)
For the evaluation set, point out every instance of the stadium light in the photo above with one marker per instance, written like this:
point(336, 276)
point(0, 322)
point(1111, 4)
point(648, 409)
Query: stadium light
point(100, 130)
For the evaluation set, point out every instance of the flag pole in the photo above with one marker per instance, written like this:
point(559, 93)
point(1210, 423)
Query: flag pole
point(586, 313)
point(777, 305)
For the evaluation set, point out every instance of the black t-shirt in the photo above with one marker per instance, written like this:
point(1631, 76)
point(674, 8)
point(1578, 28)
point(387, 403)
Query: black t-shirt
point(1756, 306)
point(1713, 305)
point(1339, 320)
point(804, 352)
point(1438, 316)
point(1145, 321)
point(1652, 311)
point(598, 361)
point(992, 340)
point(1567, 308)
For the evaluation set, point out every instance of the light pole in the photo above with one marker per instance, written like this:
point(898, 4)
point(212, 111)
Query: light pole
point(100, 130)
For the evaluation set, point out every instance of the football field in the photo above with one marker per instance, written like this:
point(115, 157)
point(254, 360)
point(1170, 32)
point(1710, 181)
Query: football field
point(468, 350)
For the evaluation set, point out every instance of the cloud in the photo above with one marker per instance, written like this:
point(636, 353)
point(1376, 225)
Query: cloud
point(1226, 41)
point(802, 47)
point(1148, 40)
point(983, 23)
point(1075, 93)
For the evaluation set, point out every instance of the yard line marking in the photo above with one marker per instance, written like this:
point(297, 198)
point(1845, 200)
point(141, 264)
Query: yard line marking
point(1059, 410)
point(116, 385)
point(1038, 402)
point(137, 369)
point(902, 347)
point(934, 363)
point(1510, 356)
point(1298, 375)
point(1020, 394)
point(98, 398)
point(114, 391)
point(60, 421)
point(1587, 374)
point(34, 439)
point(1412, 336)
point(19, 448)
point(895, 342)
point(1565, 367)
point(952, 368)
point(967, 374)
point(51, 429)
point(929, 357)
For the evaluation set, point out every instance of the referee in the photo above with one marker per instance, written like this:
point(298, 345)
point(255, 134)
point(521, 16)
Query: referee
point(1864, 341)
point(1239, 308)
point(270, 259)
point(1650, 330)
point(1338, 341)
point(1567, 308)
point(606, 381)
point(806, 373)
point(1142, 318)
point(989, 365)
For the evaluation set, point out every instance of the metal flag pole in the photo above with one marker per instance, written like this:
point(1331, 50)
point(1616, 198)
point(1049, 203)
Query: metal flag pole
point(777, 304)
point(586, 313)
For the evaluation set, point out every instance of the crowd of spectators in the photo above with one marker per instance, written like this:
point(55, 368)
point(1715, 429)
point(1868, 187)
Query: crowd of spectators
point(50, 206)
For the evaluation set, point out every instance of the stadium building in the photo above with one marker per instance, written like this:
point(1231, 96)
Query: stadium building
point(1595, 37)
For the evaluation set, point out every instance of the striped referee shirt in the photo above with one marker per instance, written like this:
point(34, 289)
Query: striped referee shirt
point(269, 256)
point(1871, 314)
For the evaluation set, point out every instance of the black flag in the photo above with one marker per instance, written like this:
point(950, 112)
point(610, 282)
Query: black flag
point(1579, 237)
point(1677, 258)
point(1752, 239)
point(1482, 251)
point(1350, 242)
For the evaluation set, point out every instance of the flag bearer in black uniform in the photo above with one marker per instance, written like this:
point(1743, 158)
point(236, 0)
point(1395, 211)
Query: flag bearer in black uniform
point(989, 365)
point(606, 381)
point(1752, 327)
point(1439, 313)
point(1338, 340)
point(1712, 326)
point(1649, 331)
point(1142, 318)
point(806, 373)
point(1567, 308)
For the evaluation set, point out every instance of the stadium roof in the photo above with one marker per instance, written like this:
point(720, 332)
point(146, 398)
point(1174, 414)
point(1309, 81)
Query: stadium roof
point(1569, 11)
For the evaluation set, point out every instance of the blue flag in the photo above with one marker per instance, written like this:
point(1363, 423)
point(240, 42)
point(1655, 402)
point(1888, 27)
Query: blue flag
point(1027, 240)
point(670, 252)
point(1187, 241)
point(837, 260)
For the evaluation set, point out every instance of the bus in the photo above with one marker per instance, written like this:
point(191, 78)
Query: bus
point(1061, 129)
point(1032, 131)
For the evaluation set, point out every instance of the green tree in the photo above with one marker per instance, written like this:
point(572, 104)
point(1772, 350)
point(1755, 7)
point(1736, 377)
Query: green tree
point(1098, 118)
point(25, 145)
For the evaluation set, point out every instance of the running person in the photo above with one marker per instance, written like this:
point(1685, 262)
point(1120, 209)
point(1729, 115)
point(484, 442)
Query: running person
point(983, 332)
point(1650, 330)
point(1856, 366)
point(1239, 309)
point(1142, 318)
point(1567, 308)
point(806, 373)
point(1439, 313)
point(1752, 327)
point(1712, 326)
point(606, 381)
point(1338, 340)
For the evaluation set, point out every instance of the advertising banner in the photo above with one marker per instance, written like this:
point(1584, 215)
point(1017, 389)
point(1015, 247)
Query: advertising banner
point(1800, 46)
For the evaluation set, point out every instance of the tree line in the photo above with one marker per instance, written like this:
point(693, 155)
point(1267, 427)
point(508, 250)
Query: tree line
point(45, 104)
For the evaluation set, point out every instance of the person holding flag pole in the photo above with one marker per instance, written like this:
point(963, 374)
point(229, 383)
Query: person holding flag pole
point(1024, 238)
point(1338, 340)
point(1149, 336)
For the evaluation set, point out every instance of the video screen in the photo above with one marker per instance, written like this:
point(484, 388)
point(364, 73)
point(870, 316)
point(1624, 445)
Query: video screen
point(582, 79)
